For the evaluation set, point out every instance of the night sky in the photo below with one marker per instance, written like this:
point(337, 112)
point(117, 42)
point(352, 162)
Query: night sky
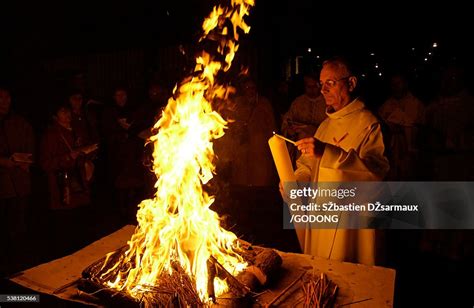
point(58, 27)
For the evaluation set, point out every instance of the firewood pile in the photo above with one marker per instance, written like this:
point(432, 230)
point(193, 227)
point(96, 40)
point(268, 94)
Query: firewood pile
point(177, 289)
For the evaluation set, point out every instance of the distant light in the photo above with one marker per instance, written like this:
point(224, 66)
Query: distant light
point(435, 45)
point(376, 65)
point(317, 57)
point(413, 49)
point(380, 74)
point(309, 49)
point(363, 75)
point(429, 53)
point(167, 13)
point(372, 54)
point(426, 59)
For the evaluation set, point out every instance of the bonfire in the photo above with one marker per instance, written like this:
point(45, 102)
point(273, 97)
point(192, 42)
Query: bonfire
point(179, 251)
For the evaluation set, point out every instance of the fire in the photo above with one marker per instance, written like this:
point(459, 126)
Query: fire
point(177, 224)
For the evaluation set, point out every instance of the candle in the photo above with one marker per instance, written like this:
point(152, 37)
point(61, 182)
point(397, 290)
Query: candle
point(287, 176)
point(282, 159)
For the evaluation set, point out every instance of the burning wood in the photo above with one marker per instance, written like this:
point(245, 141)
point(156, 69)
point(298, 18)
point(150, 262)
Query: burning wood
point(178, 288)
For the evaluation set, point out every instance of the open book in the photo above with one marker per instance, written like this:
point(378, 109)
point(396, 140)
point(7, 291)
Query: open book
point(22, 158)
point(88, 148)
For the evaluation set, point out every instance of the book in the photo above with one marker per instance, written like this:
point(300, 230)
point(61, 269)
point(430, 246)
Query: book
point(88, 148)
point(22, 158)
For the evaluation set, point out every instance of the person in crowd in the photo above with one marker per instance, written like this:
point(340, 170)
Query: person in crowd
point(64, 163)
point(83, 122)
point(449, 113)
point(281, 100)
point(254, 125)
point(148, 113)
point(404, 114)
point(305, 115)
point(16, 156)
point(124, 153)
point(68, 179)
point(306, 112)
point(449, 119)
point(452, 143)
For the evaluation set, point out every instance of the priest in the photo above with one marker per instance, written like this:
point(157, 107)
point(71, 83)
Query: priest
point(348, 146)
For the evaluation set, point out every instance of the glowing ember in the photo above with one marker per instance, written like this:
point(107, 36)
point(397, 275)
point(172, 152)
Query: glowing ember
point(177, 224)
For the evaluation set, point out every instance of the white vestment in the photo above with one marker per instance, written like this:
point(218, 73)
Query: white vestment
point(354, 151)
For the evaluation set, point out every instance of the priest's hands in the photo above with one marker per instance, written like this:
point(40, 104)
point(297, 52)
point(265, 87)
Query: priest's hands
point(310, 146)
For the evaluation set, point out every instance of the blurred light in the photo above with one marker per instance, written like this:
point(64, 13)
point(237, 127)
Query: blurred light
point(298, 64)
point(363, 75)
point(429, 53)
point(376, 65)
point(426, 59)
point(380, 74)
point(413, 49)
point(309, 49)
point(317, 57)
point(435, 45)
point(181, 49)
point(372, 54)
point(167, 13)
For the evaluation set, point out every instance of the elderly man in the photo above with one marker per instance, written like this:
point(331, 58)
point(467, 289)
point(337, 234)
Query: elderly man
point(348, 146)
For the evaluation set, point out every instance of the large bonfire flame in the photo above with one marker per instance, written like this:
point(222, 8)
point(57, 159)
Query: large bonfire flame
point(177, 224)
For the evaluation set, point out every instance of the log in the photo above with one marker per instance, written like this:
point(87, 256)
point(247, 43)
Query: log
point(235, 284)
point(267, 263)
point(211, 270)
point(264, 264)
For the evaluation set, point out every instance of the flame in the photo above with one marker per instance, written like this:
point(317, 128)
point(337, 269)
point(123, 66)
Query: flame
point(177, 224)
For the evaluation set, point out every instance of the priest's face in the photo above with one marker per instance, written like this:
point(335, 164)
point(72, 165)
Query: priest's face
point(335, 85)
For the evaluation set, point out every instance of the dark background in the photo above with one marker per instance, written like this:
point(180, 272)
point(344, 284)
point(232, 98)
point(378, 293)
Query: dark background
point(45, 43)
point(55, 28)
point(33, 32)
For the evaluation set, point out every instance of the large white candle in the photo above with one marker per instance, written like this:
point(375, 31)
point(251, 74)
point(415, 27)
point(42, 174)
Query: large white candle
point(282, 159)
point(287, 176)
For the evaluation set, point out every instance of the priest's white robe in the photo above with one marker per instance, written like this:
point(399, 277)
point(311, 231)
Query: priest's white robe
point(354, 151)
